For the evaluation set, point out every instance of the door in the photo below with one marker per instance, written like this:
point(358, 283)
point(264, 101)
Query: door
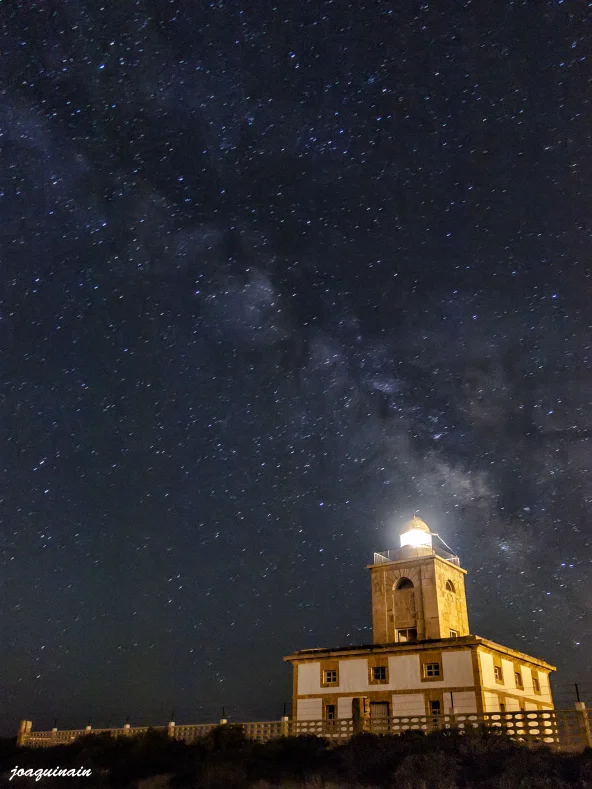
point(379, 716)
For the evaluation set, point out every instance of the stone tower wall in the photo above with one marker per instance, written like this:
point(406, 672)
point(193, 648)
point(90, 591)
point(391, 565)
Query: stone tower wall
point(452, 605)
point(428, 606)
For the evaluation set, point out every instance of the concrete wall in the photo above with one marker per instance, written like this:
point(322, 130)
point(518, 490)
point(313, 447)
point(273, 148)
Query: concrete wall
point(309, 678)
point(465, 701)
point(408, 704)
point(491, 702)
point(309, 709)
point(404, 674)
point(496, 691)
point(545, 687)
point(402, 704)
point(409, 689)
point(353, 675)
point(487, 669)
point(457, 671)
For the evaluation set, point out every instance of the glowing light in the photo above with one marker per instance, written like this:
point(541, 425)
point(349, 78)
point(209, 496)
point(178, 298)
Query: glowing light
point(416, 538)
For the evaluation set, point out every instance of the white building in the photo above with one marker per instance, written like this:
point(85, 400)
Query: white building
point(423, 661)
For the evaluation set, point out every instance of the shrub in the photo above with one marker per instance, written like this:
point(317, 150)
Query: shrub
point(436, 770)
point(226, 737)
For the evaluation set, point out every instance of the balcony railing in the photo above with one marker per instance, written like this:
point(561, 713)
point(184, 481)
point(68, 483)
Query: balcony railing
point(393, 555)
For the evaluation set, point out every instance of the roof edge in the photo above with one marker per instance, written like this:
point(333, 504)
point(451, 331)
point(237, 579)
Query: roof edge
point(446, 643)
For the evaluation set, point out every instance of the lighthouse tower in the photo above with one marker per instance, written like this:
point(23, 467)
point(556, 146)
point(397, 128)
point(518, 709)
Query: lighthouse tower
point(418, 592)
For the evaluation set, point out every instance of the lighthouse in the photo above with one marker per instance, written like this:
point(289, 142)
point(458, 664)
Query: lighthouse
point(418, 592)
point(424, 660)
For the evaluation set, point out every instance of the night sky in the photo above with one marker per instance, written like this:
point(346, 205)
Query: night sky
point(272, 277)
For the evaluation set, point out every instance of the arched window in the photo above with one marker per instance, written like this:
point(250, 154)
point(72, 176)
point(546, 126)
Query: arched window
point(404, 583)
point(450, 587)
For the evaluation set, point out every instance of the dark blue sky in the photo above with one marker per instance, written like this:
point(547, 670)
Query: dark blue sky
point(272, 278)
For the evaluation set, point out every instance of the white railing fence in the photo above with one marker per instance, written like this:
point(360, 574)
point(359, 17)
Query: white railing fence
point(565, 730)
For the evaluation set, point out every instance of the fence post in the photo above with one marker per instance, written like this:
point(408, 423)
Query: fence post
point(21, 737)
point(584, 723)
point(360, 717)
point(452, 711)
point(452, 715)
point(284, 726)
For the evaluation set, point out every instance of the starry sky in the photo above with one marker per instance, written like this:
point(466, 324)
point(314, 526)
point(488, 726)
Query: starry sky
point(273, 277)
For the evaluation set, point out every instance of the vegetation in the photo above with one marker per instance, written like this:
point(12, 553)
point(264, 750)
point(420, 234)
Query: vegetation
point(224, 759)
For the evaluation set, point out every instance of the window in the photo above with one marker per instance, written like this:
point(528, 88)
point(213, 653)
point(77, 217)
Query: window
point(502, 706)
point(536, 685)
point(404, 583)
point(431, 667)
point(329, 674)
point(408, 634)
point(435, 707)
point(454, 634)
point(330, 712)
point(519, 683)
point(499, 674)
point(379, 673)
point(450, 587)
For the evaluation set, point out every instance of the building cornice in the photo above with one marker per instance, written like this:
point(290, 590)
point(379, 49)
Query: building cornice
point(308, 655)
point(515, 653)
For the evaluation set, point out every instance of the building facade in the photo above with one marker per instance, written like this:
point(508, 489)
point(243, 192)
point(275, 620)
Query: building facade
point(423, 661)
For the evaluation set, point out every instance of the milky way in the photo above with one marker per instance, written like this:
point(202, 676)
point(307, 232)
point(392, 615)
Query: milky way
point(272, 279)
